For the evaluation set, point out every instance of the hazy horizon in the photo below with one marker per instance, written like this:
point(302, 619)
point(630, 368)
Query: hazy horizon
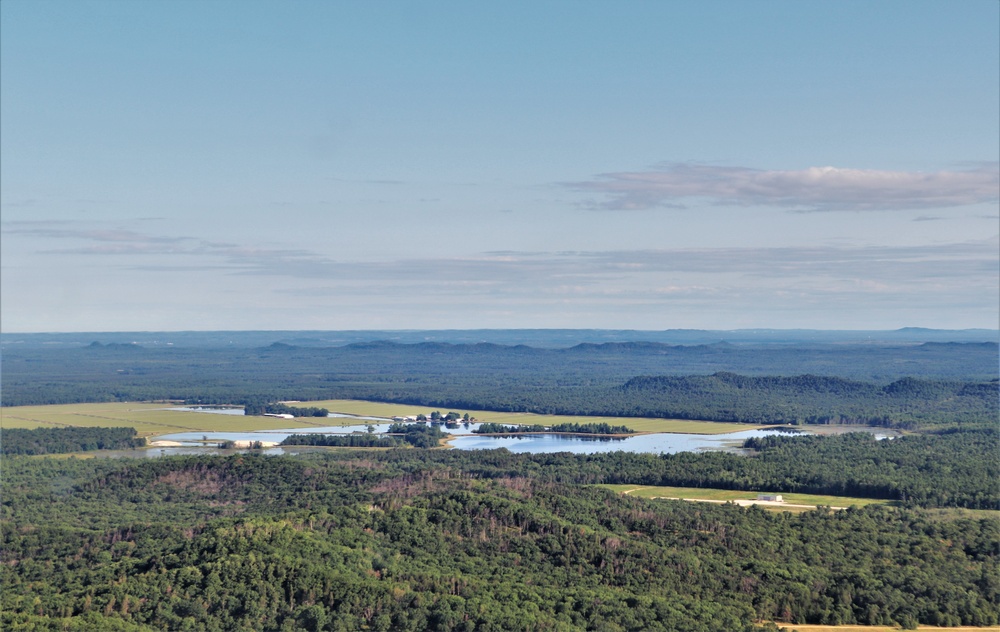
point(248, 166)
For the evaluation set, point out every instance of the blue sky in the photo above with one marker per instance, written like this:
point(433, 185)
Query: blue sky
point(409, 165)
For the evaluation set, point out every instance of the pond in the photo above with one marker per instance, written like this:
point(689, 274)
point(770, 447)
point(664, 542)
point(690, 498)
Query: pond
point(658, 443)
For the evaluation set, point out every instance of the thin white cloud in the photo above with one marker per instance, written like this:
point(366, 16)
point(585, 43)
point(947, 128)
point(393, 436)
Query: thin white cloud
point(964, 262)
point(813, 189)
point(903, 284)
point(67, 230)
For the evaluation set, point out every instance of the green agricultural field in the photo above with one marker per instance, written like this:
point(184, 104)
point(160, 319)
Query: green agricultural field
point(149, 419)
point(377, 409)
point(805, 501)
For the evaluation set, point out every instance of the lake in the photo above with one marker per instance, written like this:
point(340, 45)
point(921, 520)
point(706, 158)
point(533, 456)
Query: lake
point(464, 439)
point(658, 443)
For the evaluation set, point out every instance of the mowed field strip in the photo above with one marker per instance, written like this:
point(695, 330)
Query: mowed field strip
point(153, 418)
point(874, 628)
point(792, 502)
point(149, 419)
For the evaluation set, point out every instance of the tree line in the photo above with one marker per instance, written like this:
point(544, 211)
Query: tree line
point(67, 439)
point(398, 435)
point(259, 406)
point(445, 540)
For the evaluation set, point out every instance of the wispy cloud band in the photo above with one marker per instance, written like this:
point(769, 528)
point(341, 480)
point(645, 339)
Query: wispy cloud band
point(962, 263)
point(835, 286)
point(813, 189)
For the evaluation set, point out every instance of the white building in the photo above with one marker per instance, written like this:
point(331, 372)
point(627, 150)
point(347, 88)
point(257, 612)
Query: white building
point(774, 498)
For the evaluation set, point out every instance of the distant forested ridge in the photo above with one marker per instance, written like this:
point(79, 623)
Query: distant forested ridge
point(67, 439)
point(540, 338)
point(901, 386)
point(416, 540)
point(811, 399)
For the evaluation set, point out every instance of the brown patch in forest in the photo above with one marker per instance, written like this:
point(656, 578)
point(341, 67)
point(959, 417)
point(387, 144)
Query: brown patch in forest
point(414, 484)
point(525, 487)
point(205, 483)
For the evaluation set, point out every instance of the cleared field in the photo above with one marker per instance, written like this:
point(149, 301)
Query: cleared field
point(873, 628)
point(148, 419)
point(726, 495)
point(377, 409)
point(152, 419)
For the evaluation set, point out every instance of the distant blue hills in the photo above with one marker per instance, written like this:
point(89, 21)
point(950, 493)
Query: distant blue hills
point(544, 338)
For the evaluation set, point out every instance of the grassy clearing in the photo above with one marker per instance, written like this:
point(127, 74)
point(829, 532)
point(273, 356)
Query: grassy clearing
point(378, 409)
point(872, 628)
point(153, 419)
point(726, 495)
point(812, 500)
point(148, 419)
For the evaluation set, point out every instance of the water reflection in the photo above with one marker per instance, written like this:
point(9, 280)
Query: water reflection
point(661, 443)
point(149, 453)
point(464, 439)
point(193, 439)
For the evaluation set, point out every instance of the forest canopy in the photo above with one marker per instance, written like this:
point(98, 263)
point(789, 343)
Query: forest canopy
point(446, 540)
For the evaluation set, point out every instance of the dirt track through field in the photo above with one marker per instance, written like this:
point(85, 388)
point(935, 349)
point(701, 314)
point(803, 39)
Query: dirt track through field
point(743, 503)
point(876, 628)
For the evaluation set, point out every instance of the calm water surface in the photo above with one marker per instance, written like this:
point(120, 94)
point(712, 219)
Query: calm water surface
point(464, 439)
point(660, 443)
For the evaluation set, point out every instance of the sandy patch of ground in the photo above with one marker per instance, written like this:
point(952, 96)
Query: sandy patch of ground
point(165, 444)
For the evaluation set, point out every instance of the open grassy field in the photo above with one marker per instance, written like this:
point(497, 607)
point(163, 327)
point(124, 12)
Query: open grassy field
point(725, 495)
point(377, 409)
point(873, 628)
point(153, 419)
point(149, 419)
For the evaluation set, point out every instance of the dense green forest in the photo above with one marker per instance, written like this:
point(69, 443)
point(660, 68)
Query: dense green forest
point(66, 440)
point(444, 540)
point(408, 538)
point(905, 386)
